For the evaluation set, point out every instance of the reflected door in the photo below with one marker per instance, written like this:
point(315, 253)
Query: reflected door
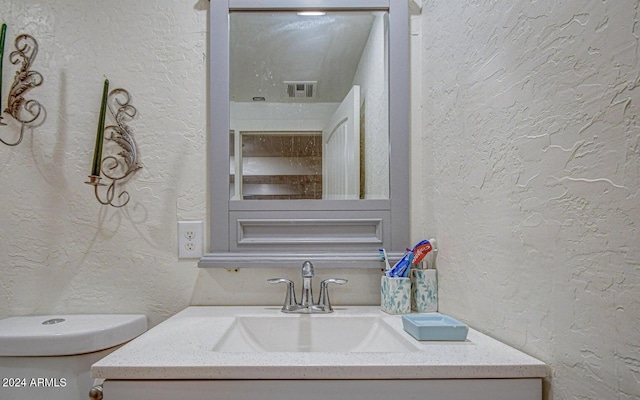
point(341, 150)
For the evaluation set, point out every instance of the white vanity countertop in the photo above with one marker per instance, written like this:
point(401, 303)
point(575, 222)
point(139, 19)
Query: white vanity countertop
point(182, 348)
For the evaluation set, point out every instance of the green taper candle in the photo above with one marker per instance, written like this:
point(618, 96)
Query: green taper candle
point(2, 35)
point(97, 152)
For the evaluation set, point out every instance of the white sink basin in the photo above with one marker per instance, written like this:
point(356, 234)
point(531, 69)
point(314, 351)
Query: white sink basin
point(312, 333)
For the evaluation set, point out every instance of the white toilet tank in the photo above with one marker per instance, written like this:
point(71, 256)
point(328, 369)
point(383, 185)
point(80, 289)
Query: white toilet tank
point(49, 357)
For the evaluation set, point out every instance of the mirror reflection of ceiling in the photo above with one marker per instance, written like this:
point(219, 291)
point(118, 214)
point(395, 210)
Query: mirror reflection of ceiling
point(268, 49)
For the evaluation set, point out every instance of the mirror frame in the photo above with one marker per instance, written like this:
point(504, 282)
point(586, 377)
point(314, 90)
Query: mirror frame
point(374, 223)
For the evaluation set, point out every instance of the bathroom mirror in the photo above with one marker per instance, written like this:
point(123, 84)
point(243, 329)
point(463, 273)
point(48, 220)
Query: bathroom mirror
point(309, 105)
point(261, 106)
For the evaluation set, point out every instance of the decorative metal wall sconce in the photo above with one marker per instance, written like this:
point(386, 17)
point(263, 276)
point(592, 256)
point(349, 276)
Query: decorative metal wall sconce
point(23, 111)
point(122, 166)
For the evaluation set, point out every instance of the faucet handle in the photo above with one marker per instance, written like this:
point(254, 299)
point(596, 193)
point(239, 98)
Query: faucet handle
point(290, 297)
point(273, 281)
point(324, 292)
point(338, 281)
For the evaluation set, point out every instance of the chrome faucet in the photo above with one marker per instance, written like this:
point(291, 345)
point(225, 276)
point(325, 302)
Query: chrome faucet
point(306, 305)
point(307, 292)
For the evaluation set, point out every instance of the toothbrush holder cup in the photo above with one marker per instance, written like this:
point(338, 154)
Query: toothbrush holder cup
point(395, 295)
point(424, 290)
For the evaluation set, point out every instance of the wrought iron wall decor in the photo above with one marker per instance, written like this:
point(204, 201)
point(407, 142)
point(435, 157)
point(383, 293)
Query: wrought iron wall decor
point(120, 167)
point(22, 110)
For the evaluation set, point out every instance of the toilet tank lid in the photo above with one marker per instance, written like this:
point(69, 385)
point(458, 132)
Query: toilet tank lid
point(62, 335)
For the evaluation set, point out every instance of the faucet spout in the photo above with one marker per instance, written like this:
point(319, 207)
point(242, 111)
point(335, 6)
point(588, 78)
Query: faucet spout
point(307, 291)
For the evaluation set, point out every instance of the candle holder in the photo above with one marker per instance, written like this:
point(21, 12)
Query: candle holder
point(22, 110)
point(120, 167)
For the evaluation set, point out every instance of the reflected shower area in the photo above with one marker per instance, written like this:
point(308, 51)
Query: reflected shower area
point(278, 165)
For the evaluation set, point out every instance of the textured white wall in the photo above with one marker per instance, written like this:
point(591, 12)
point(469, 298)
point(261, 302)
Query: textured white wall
point(531, 119)
point(60, 251)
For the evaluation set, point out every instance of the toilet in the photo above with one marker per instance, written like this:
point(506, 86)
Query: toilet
point(50, 357)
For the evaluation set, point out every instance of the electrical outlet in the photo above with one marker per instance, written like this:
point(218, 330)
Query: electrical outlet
point(190, 239)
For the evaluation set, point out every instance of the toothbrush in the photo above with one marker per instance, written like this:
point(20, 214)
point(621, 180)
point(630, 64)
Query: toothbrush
point(383, 257)
point(434, 254)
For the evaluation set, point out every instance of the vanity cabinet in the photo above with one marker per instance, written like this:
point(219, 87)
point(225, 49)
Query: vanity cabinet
point(437, 389)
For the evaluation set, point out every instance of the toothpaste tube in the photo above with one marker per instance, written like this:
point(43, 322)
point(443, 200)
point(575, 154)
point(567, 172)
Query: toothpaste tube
point(420, 250)
point(402, 267)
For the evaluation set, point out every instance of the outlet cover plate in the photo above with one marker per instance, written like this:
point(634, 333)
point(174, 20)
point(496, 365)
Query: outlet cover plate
point(190, 239)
